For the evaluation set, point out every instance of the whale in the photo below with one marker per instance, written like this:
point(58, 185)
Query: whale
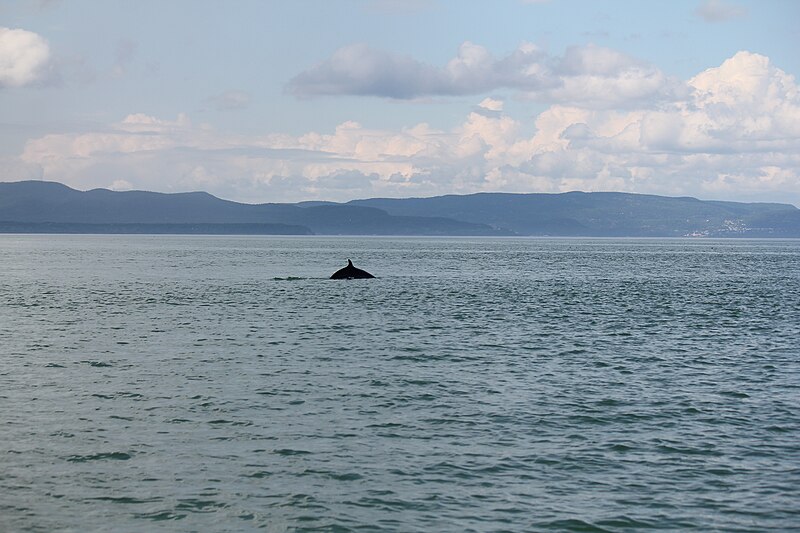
point(351, 272)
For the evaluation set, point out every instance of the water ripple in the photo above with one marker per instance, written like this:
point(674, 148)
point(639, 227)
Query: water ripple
point(187, 384)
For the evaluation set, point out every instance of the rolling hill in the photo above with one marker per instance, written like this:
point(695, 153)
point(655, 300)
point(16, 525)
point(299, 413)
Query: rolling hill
point(48, 207)
point(37, 206)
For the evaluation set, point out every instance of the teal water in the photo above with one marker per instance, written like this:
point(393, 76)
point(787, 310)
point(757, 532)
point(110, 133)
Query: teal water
point(223, 384)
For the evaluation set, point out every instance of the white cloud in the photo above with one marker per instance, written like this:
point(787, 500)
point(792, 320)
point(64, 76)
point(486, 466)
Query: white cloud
point(734, 134)
point(589, 75)
point(120, 185)
point(596, 77)
point(719, 11)
point(593, 60)
point(24, 57)
point(141, 123)
point(360, 70)
point(15, 169)
point(491, 104)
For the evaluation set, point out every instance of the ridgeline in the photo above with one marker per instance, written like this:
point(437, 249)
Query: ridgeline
point(48, 207)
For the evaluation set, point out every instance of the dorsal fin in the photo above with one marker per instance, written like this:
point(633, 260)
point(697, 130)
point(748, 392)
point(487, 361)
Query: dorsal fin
point(351, 272)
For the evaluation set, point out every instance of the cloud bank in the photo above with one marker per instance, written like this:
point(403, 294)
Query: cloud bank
point(586, 75)
point(24, 58)
point(732, 133)
point(719, 11)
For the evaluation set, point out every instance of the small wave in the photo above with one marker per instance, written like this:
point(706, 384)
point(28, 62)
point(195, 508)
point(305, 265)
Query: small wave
point(199, 506)
point(734, 394)
point(626, 522)
point(683, 450)
point(289, 451)
point(116, 456)
point(99, 364)
point(124, 499)
point(259, 475)
point(620, 448)
point(571, 524)
point(347, 476)
point(220, 421)
point(778, 429)
point(161, 515)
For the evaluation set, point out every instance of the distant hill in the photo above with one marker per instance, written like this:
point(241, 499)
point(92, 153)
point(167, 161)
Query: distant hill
point(609, 214)
point(153, 229)
point(36, 207)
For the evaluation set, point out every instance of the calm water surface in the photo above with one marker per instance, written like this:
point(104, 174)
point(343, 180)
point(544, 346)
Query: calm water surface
point(223, 384)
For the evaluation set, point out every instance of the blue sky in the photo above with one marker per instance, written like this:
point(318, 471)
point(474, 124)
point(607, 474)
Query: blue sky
point(339, 99)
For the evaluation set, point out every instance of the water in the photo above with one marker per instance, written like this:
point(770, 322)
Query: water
point(223, 384)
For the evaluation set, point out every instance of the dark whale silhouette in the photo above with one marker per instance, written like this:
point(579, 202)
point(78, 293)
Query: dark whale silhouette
point(351, 272)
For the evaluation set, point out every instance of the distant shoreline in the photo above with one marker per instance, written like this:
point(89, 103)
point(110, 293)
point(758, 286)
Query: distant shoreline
point(49, 207)
point(34, 228)
point(230, 232)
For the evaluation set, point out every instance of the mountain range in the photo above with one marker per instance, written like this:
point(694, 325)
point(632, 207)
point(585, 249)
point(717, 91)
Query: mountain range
point(49, 207)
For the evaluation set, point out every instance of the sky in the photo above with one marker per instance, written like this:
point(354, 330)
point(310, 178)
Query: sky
point(284, 101)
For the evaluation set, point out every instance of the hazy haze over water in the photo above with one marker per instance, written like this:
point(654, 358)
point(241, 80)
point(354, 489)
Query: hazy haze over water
point(223, 383)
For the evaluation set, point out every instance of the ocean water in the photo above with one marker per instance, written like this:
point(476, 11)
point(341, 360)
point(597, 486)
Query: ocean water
point(173, 383)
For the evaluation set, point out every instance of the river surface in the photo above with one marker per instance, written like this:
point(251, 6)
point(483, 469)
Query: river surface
point(173, 383)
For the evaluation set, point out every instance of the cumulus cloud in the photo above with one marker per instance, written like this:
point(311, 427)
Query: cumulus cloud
point(734, 133)
point(16, 169)
point(594, 76)
point(491, 104)
point(719, 11)
point(120, 185)
point(24, 57)
point(589, 75)
point(360, 70)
